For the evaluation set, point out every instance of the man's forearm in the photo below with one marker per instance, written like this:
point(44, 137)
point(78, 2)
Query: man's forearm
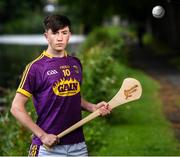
point(24, 118)
point(19, 112)
point(87, 105)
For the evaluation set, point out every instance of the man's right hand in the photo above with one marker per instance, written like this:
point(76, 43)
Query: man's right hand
point(49, 139)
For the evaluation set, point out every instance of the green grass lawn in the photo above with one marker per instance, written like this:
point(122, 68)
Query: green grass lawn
point(140, 127)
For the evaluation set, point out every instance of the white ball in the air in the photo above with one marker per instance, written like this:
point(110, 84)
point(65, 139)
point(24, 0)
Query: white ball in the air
point(158, 11)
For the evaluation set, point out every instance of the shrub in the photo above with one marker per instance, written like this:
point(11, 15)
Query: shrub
point(15, 139)
point(116, 39)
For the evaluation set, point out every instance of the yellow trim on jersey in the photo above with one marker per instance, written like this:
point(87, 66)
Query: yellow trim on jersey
point(51, 56)
point(24, 92)
point(23, 76)
point(47, 54)
point(65, 53)
point(26, 71)
point(33, 151)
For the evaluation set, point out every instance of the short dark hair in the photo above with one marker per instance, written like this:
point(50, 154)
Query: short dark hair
point(56, 22)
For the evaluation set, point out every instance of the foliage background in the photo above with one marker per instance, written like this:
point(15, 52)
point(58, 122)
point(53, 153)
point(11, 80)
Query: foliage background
point(137, 128)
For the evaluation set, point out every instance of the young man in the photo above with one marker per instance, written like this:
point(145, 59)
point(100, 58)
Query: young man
point(53, 80)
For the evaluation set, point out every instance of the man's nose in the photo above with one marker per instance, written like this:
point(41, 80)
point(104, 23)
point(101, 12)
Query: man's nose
point(60, 37)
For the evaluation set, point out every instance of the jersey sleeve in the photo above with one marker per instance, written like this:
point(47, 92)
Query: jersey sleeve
point(81, 68)
point(28, 81)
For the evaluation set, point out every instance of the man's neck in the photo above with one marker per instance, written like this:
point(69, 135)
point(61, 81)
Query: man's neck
point(59, 54)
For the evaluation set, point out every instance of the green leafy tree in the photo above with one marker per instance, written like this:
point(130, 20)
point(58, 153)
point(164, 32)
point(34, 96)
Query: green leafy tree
point(17, 13)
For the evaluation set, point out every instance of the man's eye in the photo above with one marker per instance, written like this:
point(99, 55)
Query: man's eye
point(65, 33)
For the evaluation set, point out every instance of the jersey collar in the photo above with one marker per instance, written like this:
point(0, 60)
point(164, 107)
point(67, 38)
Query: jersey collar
point(51, 56)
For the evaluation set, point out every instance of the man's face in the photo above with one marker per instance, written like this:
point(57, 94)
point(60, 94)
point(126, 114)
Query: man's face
point(58, 40)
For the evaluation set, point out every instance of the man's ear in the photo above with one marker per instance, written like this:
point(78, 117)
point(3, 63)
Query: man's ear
point(45, 34)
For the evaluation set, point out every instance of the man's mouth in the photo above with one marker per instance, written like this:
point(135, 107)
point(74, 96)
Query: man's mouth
point(59, 44)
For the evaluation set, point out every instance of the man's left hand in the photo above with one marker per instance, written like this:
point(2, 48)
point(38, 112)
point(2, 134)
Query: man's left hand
point(104, 108)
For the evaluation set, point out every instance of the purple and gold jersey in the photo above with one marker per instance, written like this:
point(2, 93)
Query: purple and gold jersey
point(54, 84)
